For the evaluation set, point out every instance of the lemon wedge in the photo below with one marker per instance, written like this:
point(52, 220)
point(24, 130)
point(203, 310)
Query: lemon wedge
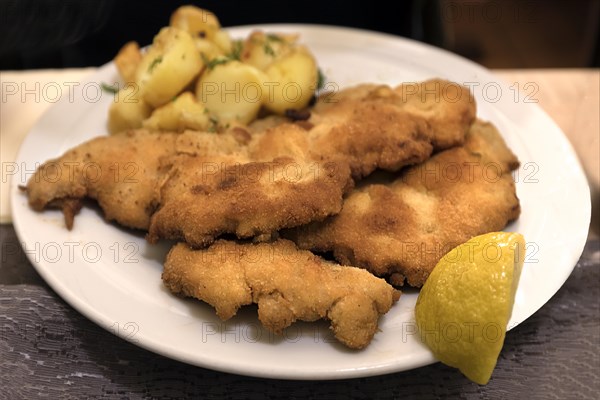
point(464, 307)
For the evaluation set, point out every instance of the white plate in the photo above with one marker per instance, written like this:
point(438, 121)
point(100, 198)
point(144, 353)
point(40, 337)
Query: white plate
point(112, 275)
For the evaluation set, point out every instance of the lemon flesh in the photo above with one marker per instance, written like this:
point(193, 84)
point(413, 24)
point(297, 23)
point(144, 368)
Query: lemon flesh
point(465, 304)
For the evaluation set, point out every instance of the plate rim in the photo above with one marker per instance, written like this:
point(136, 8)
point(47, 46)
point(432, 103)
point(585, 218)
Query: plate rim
point(91, 313)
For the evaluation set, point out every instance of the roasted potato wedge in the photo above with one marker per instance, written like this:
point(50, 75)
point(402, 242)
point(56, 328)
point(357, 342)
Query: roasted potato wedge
point(231, 90)
point(232, 79)
point(262, 49)
point(196, 21)
point(292, 81)
point(169, 65)
point(127, 61)
point(224, 42)
point(208, 50)
point(184, 112)
point(128, 110)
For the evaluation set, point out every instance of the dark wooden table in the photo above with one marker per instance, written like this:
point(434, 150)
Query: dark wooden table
point(48, 350)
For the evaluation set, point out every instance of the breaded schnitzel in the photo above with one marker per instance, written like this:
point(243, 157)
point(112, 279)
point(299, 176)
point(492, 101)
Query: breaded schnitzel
point(367, 135)
point(203, 198)
point(366, 132)
point(122, 172)
point(403, 228)
point(365, 128)
point(287, 284)
point(448, 107)
point(374, 126)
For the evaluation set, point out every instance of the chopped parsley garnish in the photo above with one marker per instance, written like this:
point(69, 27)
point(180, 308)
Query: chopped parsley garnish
point(154, 63)
point(205, 59)
point(109, 88)
point(268, 49)
point(210, 64)
point(273, 37)
point(235, 54)
point(214, 123)
point(236, 50)
point(320, 79)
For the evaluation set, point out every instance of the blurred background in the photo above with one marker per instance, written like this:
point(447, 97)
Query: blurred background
point(495, 33)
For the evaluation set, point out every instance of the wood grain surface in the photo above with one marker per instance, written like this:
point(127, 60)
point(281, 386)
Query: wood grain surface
point(571, 97)
point(48, 350)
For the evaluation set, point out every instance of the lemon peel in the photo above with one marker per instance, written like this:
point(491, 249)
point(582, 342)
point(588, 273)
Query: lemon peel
point(464, 307)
